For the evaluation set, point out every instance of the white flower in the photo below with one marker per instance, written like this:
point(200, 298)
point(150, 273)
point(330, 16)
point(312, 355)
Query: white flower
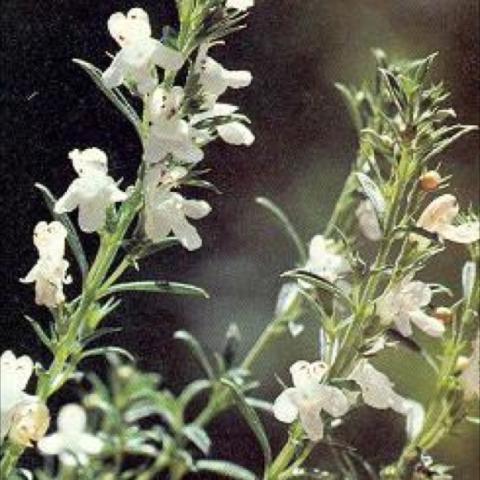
point(308, 398)
point(92, 192)
point(368, 221)
point(470, 377)
point(438, 218)
point(403, 303)
point(376, 387)
point(167, 211)
point(30, 421)
point(324, 261)
point(139, 52)
point(241, 5)
point(71, 442)
point(215, 79)
point(50, 272)
point(377, 392)
point(14, 376)
point(169, 133)
point(231, 131)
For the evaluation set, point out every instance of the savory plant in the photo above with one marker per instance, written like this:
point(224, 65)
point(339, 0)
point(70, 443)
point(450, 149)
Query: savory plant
point(131, 426)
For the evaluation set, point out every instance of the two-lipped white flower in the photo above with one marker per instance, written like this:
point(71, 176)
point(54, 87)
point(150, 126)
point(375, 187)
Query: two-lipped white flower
point(325, 261)
point(229, 129)
point(169, 132)
point(377, 392)
point(438, 218)
point(50, 272)
point(215, 79)
point(139, 52)
point(14, 376)
point(308, 398)
point(168, 211)
point(368, 221)
point(71, 442)
point(402, 305)
point(470, 376)
point(240, 5)
point(92, 192)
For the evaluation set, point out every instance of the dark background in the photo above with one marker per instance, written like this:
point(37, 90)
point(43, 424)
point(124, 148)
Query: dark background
point(296, 49)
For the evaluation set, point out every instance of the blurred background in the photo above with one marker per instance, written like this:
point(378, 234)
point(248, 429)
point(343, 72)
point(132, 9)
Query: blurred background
point(305, 143)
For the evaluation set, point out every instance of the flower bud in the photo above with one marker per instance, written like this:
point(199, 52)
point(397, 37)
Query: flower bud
point(462, 363)
point(30, 421)
point(430, 181)
point(444, 314)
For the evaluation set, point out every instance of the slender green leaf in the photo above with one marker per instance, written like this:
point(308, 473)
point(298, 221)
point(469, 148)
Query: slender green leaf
point(318, 282)
point(287, 225)
point(94, 352)
point(114, 94)
point(197, 351)
point(373, 193)
point(349, 98)
point(192, 390)
point(72, 235)
point(252, 419)
point(225, 469)
point(198, 436)
point(157, 286)
point(43, 337)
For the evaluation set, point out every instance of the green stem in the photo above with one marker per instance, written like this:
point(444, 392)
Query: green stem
point(284, 458)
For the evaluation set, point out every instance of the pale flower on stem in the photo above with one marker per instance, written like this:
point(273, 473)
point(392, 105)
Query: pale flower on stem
point(377, 392)
point(215, 79)
point(170, 134)
point(139, 53)
point(402, 305)
point(92, 192)
point(71, 442)
point(50, 272)
point(30, 421)
point(470, 376)
point(14, 376)
point(308, 398)
point(240, 5)
point(325, 261)
point(232, 130)
point(167, 211)
point(438, 218)
point(368, 221)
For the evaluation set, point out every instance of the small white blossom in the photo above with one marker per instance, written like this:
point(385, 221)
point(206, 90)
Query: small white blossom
point(71, 442)
point(368, 221)
point(92, 192)
point(233, 131)
point(438, 218)
point(240, 5)
point(169, 133)
point(30, 421)
point(470, 377)
point(167, 211)
point(402, 305)
point(308, 398)
point(377, 392)
point(215, 79)
point(50, 272)
point(324, 261)
point(14, 376)
point(139, 52)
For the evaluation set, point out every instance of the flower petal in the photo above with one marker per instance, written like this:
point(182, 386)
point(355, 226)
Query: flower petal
point(72, 419)
point(236, 133)
point(167, 58)
point(430, 325)
point(90, 444)
point(333, 401)
point(51, 444)
point(465, 234)
point(312, 422)
point(284, 409)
